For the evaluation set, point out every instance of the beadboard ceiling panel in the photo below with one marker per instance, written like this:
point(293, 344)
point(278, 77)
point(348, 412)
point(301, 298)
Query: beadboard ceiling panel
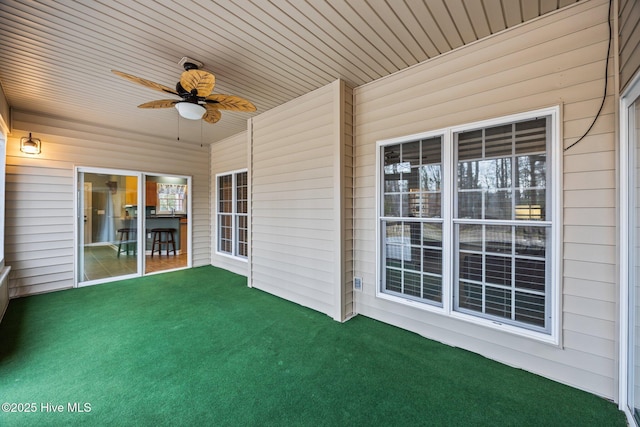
point(56, 57)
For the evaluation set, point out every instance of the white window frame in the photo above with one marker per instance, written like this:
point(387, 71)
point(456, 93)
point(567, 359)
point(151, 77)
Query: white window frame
point(234, 215)
point(554, 165)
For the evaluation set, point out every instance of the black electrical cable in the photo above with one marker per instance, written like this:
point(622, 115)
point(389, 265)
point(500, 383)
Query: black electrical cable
point(606, 81)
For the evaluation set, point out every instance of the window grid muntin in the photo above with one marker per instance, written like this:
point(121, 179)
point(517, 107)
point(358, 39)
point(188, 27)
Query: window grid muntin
point(233, 214)
point(427, 170)
point(542, 221)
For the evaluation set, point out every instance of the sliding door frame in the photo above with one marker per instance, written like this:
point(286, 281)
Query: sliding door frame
point(79, 222)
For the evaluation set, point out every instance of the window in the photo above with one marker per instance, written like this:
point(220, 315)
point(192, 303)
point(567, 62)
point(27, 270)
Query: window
point(472, 236)
point(172, 198)
point(232, 214)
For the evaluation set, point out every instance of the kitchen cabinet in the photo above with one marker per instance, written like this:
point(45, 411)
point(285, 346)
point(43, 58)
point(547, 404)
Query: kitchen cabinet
point(151, 193)
point(131, 190)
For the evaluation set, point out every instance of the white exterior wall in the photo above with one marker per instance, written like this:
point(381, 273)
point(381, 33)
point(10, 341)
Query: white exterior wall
point(227, 155)
point(297, 184)
point(558, 59)
point(39, 238)
point(629, 40)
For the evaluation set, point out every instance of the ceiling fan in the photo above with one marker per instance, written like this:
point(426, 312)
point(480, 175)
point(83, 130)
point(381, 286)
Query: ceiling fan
point(194, 89)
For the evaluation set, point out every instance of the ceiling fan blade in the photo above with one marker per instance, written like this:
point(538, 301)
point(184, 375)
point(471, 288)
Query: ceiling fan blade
point(161, 103)
point(230, 102)
point(212, 115)
point(202, 81)
point(144, 82)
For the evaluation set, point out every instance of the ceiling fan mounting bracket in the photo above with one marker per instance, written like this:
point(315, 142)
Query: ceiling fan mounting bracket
point(190, 64)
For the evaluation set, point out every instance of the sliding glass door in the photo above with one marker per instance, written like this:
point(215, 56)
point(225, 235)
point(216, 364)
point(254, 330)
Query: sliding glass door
point(108, 224)
point(130, 224)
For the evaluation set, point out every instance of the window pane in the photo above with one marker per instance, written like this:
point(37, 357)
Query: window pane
point(393, 204)
point(530, 274)
point(391, 156)
point(393, 183)
point(470, 295)
point(531, 136)
point(470, 237)
point(393, 280)
point(498, 270)
point(498, 141)
point(432, 234)
point(225, 233)
point(470, 266)
point(470, 204)
point(242, 235)
point(498, 238)
point(432, 261)
point(498, 205)
point(397, 245)
point(241, 192)
point(412, 283)
point(530, 205)
point(531, 171)
point(498, 302)
point(432, 150)
point(531, 241)
point(225, 194)
point(432, 288)
point(470, 145)
point(430, 177)
point(530, 309)
point(411, 153)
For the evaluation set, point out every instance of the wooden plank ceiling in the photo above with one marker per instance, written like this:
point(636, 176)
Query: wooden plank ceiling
point(56, 56)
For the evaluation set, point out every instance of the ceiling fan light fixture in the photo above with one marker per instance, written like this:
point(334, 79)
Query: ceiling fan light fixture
point(190, 111)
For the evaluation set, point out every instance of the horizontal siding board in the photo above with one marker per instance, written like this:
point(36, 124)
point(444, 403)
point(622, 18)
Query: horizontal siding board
point(596, 327)
point(590, 216)
point(594, 253)
point(599, 272)
point(592, 289)
point(588, 307)
point(600, 198)
point(590, 234)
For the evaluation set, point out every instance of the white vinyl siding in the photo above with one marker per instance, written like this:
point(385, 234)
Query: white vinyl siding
point(297, 181)
point(558, 59)
point(629, 40)
point(40, 224)
point(227, 155)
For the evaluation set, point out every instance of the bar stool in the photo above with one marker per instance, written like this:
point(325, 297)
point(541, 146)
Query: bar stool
point(127, 236)
point(163, 236)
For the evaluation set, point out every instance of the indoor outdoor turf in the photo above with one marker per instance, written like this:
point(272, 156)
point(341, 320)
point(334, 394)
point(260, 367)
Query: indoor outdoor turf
point(198, 347)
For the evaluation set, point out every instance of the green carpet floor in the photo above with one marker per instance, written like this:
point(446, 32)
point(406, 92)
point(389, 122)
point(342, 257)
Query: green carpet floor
point(197, 347)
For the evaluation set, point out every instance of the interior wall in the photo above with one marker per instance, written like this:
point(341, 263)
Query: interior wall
point(558, 59)
point(227, 155)
point(40, 200)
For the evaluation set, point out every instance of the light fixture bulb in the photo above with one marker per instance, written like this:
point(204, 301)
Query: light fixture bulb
point(190, 111)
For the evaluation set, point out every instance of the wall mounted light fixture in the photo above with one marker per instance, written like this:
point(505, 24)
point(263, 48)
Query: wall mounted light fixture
point(30, 145)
